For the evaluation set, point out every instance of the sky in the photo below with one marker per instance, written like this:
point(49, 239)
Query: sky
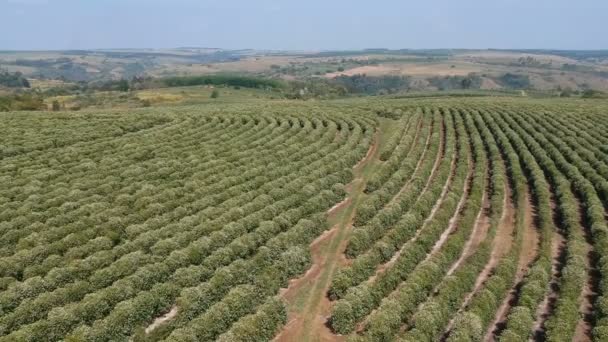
point(303, 25)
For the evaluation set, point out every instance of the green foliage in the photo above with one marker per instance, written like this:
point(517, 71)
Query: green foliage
point(214, 212)
point(373, 85)
point(109, 220)
point(514, 81)
point(471, 81)
point(22, 101)
point(13, 80)
point(221, 79)
point(592, 94)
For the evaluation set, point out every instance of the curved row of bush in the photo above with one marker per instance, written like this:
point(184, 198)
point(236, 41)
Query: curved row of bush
point(261, 326)
point(398, 307)
point(481, 310)
point(138, 246)
point(64, 228)
point(429, 319)
point(364, 236)
point(359, 301)
point(551, 156)
point(412, 145)
point(163, 269)
point(403, 125)
point(420, 200)
point(536, 282)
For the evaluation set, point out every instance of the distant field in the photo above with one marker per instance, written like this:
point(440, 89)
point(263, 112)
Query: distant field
point(422, 218)
point(547, 70)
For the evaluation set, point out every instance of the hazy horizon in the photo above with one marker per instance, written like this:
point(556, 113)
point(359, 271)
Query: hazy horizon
point(315, 25)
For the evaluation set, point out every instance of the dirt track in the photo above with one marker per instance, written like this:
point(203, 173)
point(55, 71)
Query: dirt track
point(440, 156)
point(583, 331)
point(529, 250)
point(500, 247)
point(306, 296)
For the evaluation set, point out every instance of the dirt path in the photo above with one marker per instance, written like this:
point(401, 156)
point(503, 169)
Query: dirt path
point(440, 157)
point(446, 187)
point(590, 293)
point(442, 239)
point(162, 319)
point(591, 290)
point(501, 245)
point(478, 234)
point(309, 306)
point(546, 307)
point(452, 226)
point(427, 143)
point(454, 220)
point(529, 250)
point(506, 228)
point(558, 260)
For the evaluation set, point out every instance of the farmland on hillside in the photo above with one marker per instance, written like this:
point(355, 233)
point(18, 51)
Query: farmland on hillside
point(420, 219)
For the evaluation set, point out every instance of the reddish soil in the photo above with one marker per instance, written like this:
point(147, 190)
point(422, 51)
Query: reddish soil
point(506, 228)
point(383, 267)
point(162, 319)
point(439, 158)
point(371, 153)
point(373, 149)
point(529, 250)
point(318, 260)
point(500, 247)
point(588, 296)
point(325, 260)
point(454, 220)
point(444, 236)
point(546, 307)
point(294, 328)
point(339, 206)
point(478, 234)
point(591, 290)
point(422, 157)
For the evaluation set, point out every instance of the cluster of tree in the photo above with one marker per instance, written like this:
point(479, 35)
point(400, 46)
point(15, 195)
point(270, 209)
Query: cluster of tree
point(406, 206)
point(471, 81)
point(593, 94)
point(577, 67)
point(42, 63)
point(261, 326)
point(25, 101)
point(514, 81)
point(214, 320)
point(562, 324)
point(221, 79)
point(531, 62)
point(405, 153)
point(404, 122)
point(312, 87)
point(13, 80)
point(373, 85)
